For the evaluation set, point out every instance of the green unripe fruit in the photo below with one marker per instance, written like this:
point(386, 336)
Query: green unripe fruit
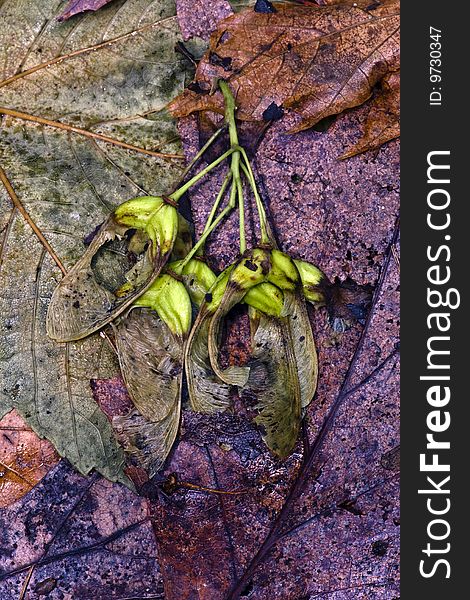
point(267, 298)
point(283, 271)
point(251, 269)
point(168, 297)
point(311, 277)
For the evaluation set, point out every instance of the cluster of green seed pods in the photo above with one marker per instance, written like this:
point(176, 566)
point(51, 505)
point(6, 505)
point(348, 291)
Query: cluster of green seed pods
point(151, 308)
point(142, 276)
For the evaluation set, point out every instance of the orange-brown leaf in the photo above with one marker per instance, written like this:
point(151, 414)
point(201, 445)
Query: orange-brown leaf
point(24, 458)
point(383, 119)
point(314, 61)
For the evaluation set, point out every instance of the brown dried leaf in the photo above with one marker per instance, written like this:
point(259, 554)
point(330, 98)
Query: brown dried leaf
point(24, 458)
point(90, 538)
point(314, 61)
point(383, 119)
point(200, 17)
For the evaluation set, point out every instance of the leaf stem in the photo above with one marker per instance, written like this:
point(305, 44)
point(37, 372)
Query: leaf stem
point(176, 195)
point(197, 156)
point(235, 165)
point(246, 168)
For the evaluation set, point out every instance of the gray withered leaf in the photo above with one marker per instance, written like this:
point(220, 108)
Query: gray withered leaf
point(274, 380)
point(151, 360)
point(111, 74)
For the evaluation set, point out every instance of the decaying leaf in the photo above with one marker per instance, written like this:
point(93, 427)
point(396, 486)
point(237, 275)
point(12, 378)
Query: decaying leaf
point(24, 458)
point(204, 16)
point(314, 61)
point(383, 117)
point(109, 73)
point(74, 7)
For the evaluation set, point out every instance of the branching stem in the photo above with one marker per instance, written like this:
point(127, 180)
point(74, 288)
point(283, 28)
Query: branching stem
point(177, 194)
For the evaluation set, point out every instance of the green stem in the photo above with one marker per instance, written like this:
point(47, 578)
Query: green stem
point(235, 164)
point(215, 206)
point(211, 216)
point(209, 142)
point(204, 237)
point(176, 195)
point(241, 211)
point(259, 204)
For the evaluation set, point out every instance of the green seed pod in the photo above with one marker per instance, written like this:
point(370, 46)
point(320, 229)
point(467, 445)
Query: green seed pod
point(216, 292)
point(311, 277)
point(198, 278)
point(137, 212)
point(169, 299)
point(251, 269)
point(283, 271)
point(153, 215)
point(266, 298)
point(184, 240)
point(114, 270)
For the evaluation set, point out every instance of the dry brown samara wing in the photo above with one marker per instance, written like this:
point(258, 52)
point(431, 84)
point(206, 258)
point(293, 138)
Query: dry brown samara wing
point(147, 443)
point(304, 345)
point(274, 381)
point(117, 267)
point(207, 393)
point(151, 360)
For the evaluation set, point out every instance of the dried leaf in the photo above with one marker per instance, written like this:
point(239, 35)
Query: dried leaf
point(24, 458)
point(383, 117)
point(92, 538)
point(314, 61)
point(204, 16)
point(111, 73)
point(74, 7)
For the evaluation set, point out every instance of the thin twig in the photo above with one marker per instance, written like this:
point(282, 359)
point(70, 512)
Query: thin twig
point(17, 203)
point(81, 51)
point(26, 583)
point(90, 134)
